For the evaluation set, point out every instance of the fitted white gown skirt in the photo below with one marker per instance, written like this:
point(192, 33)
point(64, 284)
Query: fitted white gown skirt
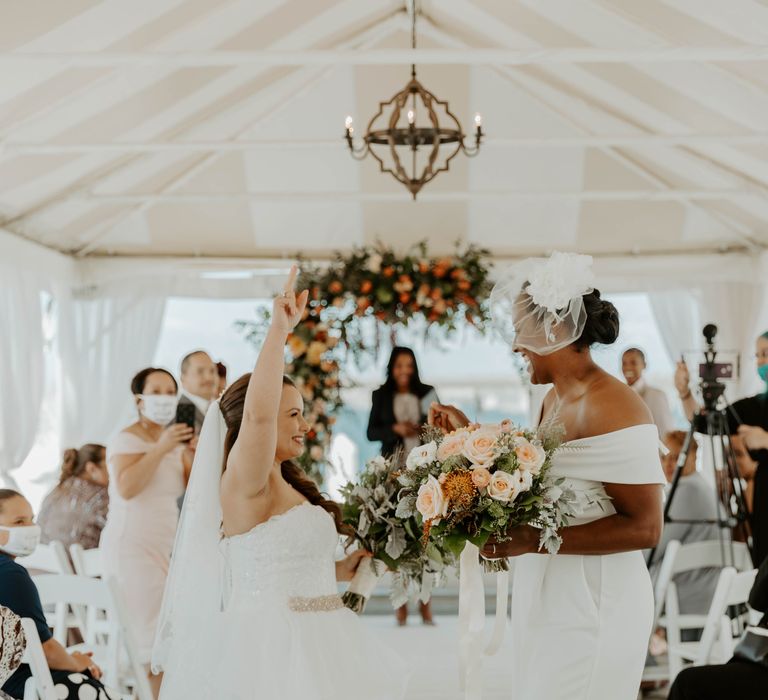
point(581, 624)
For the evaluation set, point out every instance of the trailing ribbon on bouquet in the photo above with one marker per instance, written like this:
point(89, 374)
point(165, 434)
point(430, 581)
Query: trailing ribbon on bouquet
point(472, 620)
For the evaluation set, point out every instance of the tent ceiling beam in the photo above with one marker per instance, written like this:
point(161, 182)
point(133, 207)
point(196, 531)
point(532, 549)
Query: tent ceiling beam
point(372, 57)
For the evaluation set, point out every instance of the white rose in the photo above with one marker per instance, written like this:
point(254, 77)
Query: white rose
point(316, 453)
point(378, 464)
point(422, 455)
point(374, 263)
point(523, 481)
point(430, 501)
point(502, 487)
point(530, 455)
point(480, 447)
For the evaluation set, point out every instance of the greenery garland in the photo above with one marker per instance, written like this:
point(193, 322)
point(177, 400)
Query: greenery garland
point(372, 287)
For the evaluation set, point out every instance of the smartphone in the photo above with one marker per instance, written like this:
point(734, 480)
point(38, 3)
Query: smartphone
point(185, 413)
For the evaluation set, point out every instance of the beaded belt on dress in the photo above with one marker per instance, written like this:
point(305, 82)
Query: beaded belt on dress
point(323, 603)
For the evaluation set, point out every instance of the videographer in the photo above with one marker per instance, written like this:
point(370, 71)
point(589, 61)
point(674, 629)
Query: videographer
point(748, 425)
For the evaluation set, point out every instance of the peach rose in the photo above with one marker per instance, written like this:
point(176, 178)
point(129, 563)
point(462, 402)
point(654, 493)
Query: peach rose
point(452, 445)
point(430, 501)
point(502, 487)
point(481, 477)
point(530, 456)
point(480, 447)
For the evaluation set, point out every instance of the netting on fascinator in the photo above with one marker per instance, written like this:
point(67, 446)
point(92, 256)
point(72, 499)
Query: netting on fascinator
point(538, 304)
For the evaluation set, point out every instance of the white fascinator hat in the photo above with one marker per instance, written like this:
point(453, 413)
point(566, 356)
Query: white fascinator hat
point(538, 303)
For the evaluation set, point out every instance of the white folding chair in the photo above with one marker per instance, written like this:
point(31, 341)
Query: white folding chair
point(87, 562)
point(108, 630)
point(47, 559)
point(68, 590)
point(40, 685)
point(681, 558)
point(717, 639)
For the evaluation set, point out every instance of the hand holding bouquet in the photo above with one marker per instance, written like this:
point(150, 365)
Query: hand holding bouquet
point(480, 481)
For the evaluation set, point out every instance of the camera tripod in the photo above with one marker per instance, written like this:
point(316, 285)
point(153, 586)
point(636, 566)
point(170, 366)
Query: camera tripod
point(731, 514)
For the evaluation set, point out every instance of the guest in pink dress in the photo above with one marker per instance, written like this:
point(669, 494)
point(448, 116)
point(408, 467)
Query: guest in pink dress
point(149, 464)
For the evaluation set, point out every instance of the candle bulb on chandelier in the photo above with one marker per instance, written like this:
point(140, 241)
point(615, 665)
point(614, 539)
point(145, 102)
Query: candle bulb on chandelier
point(478, 121)
point(348, 124)
point(411, 117)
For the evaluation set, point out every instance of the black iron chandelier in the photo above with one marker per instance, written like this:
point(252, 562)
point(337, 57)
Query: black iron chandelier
point(413, 154)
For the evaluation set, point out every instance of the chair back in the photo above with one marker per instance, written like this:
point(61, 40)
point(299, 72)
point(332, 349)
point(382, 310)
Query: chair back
point(711, 554)
point(94, 595)
point(86, 562)
point(40, 685)
point(47, 559)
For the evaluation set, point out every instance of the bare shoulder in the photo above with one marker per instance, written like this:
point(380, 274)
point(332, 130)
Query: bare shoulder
point(611, 405)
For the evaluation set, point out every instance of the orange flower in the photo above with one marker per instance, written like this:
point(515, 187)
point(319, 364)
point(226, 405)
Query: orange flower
point(460, 490)
point(335, 287)
point(405, 298)
point(458, 273)
point(388, 271)
point(423, 267)
point(464, 285)
point(436, 293)
point(363, 303)
point(366, 286)
point(440, 271)
point(296, 346)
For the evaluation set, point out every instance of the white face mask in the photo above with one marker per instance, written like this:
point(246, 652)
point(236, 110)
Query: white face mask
point(22, 541)
point(159, 408)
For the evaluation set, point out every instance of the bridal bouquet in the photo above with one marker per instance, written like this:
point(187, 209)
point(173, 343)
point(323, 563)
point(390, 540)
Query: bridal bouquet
point(370, 507)
point(483, 480)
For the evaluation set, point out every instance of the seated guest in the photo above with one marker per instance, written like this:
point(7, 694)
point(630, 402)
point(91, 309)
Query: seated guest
point(739, 678)
point(19, 536)
point(633, 367)
point(76, 510)
point(199, 384)
point(12, 644)
point(148, 465)
point(694, 499)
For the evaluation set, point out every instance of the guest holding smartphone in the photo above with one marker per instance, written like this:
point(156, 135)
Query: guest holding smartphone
point(149, 462)
point(400, 407)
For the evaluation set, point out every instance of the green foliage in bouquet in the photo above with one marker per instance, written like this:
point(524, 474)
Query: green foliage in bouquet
point(370, 506)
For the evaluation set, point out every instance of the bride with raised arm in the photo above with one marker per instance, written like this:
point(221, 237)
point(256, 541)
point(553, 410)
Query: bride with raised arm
point(251, 609)
point(581, 619)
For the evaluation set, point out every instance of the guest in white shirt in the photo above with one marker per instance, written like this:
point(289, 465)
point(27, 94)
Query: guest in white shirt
point(199, 384)
point(632, 367)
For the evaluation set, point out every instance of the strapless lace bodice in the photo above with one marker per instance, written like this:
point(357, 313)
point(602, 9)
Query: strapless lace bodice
point(289, 555)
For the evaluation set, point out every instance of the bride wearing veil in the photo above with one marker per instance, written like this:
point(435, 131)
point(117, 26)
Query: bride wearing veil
point(251, 608)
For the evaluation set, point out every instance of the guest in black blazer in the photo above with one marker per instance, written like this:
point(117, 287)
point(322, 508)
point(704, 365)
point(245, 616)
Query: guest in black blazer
point(400, 408)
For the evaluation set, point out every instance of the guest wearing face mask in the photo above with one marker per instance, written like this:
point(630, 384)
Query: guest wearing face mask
point(748, 420)
point(75, 675)
point(148, 466)
point(76, 510)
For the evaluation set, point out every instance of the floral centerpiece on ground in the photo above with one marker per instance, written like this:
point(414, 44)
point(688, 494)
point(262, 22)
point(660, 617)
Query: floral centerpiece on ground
point(370, 507)
point(483, 480)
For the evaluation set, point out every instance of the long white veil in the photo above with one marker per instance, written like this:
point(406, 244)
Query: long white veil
point(195, 584)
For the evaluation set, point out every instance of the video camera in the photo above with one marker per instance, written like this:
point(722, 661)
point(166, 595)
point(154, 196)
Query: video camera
point(711, 373)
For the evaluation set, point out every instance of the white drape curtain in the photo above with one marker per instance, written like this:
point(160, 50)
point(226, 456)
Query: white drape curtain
point(108, 335)
point(22, 370)
point(677, 316)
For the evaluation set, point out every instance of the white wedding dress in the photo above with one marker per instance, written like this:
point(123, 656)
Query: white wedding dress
point(283, 632)
point(581, 624)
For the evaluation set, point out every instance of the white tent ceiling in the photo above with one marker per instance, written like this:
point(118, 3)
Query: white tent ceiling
point(213, 127)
